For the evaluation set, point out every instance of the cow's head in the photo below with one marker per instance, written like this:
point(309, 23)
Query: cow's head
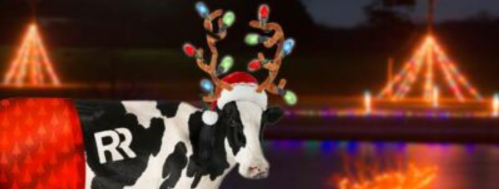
point(245, 121)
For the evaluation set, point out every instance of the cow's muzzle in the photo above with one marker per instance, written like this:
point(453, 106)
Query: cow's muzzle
point(258, 172)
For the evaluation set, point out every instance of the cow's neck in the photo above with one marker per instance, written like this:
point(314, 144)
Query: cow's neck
point(209, 161)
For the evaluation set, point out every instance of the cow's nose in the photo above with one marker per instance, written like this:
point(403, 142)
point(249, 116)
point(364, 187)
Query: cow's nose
point(259, 172)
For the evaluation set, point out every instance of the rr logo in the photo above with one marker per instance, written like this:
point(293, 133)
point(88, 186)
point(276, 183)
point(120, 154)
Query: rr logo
point(116, 143)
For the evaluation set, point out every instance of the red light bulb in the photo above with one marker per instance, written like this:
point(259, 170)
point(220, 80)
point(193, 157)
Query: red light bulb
point(189, 50)
point(263, 12)
point(254, 65)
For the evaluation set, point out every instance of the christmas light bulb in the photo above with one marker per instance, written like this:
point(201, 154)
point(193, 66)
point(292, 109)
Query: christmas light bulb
point(263, 12)
point(495, 105)
point(290, 98)
point(288, 46)
point(207, 86)
point(225, 65)
point(254, 65)
point(189, 50)
point(229, 18)
point(252, 39)
point(367, 102)
point(202, 9)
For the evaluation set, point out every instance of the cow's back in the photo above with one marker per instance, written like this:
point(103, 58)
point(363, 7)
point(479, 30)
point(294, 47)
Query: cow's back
point(119, 140)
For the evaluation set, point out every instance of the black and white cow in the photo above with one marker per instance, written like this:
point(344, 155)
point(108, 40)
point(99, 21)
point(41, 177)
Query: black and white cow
point(155, 144)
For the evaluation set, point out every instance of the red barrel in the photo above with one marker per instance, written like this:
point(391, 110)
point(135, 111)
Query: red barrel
point(41, 144)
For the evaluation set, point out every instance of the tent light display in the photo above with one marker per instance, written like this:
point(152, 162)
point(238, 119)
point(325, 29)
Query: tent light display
point(32, 65)
point(429, 58)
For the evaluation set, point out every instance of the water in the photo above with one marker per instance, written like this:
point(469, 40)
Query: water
point(318, 164)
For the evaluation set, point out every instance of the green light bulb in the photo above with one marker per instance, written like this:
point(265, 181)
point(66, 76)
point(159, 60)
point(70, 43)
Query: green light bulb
point(290, 98)
point(252, 39)
point(229, 18)
point(226, 64)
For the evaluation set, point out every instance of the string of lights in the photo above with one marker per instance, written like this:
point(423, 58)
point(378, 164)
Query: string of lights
point(429, 57)
point(32, 64)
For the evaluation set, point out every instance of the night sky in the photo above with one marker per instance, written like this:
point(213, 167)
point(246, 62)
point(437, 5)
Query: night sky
point(348, 13)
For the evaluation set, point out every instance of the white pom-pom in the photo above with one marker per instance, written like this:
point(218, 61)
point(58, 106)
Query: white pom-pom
point(210, 117)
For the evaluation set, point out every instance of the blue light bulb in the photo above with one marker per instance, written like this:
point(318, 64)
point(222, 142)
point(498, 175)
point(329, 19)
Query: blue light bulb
point(288, 46)
point(202, 9)
point(206, 86)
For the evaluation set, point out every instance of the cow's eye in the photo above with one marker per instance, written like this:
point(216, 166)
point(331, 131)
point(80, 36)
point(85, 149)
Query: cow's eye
point(239, 136)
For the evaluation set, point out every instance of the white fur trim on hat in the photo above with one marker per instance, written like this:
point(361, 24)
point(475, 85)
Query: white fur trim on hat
point(243, 92)
point(210, 117)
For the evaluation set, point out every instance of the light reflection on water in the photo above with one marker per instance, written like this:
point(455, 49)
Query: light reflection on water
point(311, 164)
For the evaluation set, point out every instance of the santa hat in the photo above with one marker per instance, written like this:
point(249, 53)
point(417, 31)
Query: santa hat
point(244, 88)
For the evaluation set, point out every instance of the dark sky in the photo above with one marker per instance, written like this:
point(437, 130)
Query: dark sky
point(347, 13)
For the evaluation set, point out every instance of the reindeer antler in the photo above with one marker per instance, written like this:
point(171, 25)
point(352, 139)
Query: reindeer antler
point(212, 38)
point(278, 39)
point(274, 65)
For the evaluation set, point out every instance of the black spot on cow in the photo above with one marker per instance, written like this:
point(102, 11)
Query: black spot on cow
point(98, 116)
point(232, 120)
point(270, 116)
point(174, 165)
point(168, 109)
point(209, 154)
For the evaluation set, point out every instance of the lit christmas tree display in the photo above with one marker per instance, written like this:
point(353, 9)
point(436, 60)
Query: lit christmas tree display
point(427, 60)
point(32, 65)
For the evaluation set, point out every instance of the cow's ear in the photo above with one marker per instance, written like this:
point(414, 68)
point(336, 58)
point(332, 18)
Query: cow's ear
point(272, 115)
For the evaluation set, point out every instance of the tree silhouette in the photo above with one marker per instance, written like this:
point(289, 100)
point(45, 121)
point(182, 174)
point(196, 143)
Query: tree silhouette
point(386, 13)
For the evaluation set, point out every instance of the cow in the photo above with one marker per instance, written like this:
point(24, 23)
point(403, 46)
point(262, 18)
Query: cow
point(167, 145)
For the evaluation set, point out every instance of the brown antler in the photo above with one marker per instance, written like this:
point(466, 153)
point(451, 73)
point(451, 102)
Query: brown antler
point(274, 65)
point(211, 68)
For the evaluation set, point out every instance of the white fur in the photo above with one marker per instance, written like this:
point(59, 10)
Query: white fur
point(144, 110)
point(89, 175)
point(210, 117)
point(243, 92)
point(251, 155)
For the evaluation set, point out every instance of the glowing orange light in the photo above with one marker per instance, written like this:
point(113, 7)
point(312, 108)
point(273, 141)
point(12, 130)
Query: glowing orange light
point(495, 106)
point(412, 178)
point(367, 103)
point(429, 57)
point(435, 98)
point(32, 64)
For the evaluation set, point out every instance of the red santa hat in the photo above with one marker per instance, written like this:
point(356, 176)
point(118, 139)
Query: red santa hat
point(244, 88)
